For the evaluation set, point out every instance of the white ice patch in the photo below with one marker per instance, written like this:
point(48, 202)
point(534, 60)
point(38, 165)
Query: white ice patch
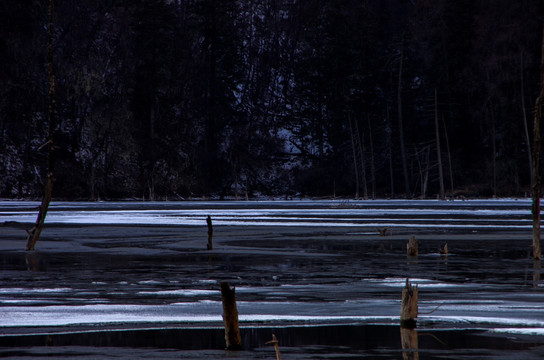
point(22, 291)
point(421, 283)
point(497, 214)
point(520, 331)
point(180, 292)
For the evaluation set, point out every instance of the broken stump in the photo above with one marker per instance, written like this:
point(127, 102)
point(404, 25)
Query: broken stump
point(411, 247)
point(444, 250)
point(230, 317)
point(408, 307)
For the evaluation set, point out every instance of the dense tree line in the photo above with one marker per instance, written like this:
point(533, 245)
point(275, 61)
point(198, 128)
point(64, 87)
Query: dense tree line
point(183, 98)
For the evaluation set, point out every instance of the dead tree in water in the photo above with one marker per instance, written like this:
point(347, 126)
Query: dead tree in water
point(408, 307)
point(536, 160)
point(408, 315)
point(34, 233)
point(230, 317)
point(210, 233)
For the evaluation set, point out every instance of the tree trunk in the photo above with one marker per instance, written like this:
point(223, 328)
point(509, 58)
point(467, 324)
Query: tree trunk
point(494, 148)
point(449, 156)
point(401, 128)
point(525, 125)
point(355, 169)
point(390, 153)
point(420, 167)
point(426, 174)
point(359, 140)
point(34, 233)
point(438, 150)
point(536, 160)
point(372, 165)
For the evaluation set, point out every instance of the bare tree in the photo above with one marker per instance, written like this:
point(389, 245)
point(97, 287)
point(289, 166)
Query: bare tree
point(438, 150)
point(372, 164)
point(449, 155)
point(536, 160)
point(524, 111)
point(401, 126)
point(359, 139)
point(354, 148)
point(34, 233)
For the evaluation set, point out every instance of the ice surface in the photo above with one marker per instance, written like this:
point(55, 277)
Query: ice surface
point(293, 263)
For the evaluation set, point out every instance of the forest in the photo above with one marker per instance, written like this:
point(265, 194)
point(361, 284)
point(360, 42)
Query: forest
point(179, 99)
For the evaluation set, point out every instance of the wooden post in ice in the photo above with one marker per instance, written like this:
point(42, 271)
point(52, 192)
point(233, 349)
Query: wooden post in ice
point(275, 342)
point(411, 247)
point(408, 306)
point(230, 317)
point(210, 233)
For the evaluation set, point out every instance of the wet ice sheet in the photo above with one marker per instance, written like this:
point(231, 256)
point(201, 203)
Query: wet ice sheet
point(374, 305)
point(476, 214)
point(306, 263)
point(362, 312)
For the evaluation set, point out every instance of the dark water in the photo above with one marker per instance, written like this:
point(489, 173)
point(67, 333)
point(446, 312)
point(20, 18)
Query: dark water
point(339, 342)
point(134, 280)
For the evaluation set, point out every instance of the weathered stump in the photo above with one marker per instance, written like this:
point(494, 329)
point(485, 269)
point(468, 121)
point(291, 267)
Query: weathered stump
point(411, 247)
point(210, 233)
point(444, 250)
point(408, 307)
point(230, 317)
point(275, 342)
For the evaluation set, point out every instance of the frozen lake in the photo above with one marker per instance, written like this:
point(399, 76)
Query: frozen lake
point(112, 276)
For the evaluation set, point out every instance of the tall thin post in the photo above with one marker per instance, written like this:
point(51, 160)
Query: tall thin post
point(210, 233)
point(536, 160)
